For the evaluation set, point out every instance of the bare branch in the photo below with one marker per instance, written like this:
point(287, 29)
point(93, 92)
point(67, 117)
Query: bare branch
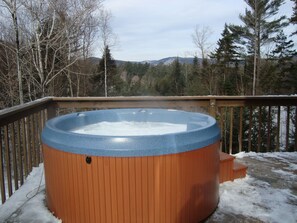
point(201, 40)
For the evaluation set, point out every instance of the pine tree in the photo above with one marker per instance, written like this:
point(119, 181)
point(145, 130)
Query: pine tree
point(195, 85)
point(284, 52)
point(226, 58)
point(104, 78)
point(178, 82)
point(279, 70)
point(259, 27)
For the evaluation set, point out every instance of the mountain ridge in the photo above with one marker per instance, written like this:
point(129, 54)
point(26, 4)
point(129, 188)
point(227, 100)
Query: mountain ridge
point(162, 61)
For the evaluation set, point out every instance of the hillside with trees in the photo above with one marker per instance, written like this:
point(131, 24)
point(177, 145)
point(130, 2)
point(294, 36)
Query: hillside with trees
point(45, 50)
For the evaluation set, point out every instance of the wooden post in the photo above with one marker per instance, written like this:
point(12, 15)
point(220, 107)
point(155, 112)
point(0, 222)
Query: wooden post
point(295, 146)
point(259, 130)
point(7, 159)
point(212, 107)
point(250, 129)
point(2, 185)
point(19, 152)
point(14, 157)
point(221, 127)
point(24, 147)
point(278, 128)
point(231, 130)
point(51, 110)
point(288, 128)
point(269, 129)
point(240, 130)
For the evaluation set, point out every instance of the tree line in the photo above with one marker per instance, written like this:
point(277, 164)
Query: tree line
point(44, 47)
point(45, 50)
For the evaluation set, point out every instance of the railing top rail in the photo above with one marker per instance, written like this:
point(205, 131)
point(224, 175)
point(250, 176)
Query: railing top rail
point(179, 98)
point(273, 100)
point(9, 115)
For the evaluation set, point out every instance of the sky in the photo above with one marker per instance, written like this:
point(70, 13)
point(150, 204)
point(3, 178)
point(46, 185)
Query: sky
point(154, 29)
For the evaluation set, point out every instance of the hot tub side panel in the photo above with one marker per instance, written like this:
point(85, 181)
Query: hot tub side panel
point(170, 188)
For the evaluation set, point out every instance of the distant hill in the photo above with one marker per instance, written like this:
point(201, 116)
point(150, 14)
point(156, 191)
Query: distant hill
point(164, 61)
point(170, 60)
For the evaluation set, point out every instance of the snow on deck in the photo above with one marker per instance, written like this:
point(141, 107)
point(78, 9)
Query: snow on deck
point(267, 194)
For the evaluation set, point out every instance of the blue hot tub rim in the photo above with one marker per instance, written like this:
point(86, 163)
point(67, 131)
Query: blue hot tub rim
point(202, 130)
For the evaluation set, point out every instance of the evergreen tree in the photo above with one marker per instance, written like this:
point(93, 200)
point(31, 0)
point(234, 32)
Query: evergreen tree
point(178, 81)
point(279, 70)
point(284, 52)
point(226, 59)
point(105, 76)
point(195, 70)
point(259, 27)
point(196, 85)
point(226, 51)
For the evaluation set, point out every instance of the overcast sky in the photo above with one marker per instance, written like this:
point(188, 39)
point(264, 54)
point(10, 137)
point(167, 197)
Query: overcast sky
point(154, 29)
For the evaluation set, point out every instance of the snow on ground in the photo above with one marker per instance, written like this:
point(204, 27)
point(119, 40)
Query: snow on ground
point(267, 194)
point(254, 198)
point(28, 203)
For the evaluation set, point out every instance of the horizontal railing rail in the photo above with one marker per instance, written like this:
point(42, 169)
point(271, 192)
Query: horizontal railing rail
point(253, 123)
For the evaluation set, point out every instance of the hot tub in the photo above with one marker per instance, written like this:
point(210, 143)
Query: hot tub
point(141, 175)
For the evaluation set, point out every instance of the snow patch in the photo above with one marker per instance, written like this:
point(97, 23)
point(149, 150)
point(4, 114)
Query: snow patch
point(27, 204)
point(257, 199)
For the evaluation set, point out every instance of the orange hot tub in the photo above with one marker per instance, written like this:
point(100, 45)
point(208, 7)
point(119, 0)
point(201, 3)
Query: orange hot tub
point(103, 178)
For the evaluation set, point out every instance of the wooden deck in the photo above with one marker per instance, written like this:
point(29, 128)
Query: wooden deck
point(230, 169)
point(241, 119)
point(267, 194)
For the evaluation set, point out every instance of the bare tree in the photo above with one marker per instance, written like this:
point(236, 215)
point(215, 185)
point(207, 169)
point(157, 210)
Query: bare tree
point(9, 95)
point(12, 7)
point(50, 40)
point(56, 38)
point(108, 39)
point(201, 40)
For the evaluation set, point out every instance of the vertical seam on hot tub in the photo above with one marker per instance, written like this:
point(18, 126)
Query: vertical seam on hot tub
point(92, 185)
point(85, 176)
point(112, 168)
point(147, 180)
point(97, 209)
point(121, 185)
point(129, 189)
point(141, 189)
point(105, 200)
point(125, 190)
point(170, 185)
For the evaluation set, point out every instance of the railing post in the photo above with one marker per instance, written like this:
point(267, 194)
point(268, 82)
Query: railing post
point(212, 107)
point(231, 131)
point(2, 178)
point(295, 145)
point(51, 110)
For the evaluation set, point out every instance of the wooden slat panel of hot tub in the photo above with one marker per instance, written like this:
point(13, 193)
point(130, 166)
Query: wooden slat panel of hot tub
point(170, 188)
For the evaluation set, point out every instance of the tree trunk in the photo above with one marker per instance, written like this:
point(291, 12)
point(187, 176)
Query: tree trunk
point(254, 73)
point(17, 40)
point(105, 74)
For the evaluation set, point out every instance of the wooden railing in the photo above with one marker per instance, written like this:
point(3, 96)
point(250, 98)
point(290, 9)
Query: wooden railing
point(260, 124)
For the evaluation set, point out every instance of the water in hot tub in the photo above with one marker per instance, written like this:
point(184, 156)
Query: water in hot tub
point(131, 128)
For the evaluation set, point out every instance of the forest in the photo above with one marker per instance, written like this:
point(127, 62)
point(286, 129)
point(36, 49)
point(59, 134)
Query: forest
point(46, 50)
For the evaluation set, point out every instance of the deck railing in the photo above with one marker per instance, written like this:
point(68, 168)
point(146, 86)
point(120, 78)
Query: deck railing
point(260, 124)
